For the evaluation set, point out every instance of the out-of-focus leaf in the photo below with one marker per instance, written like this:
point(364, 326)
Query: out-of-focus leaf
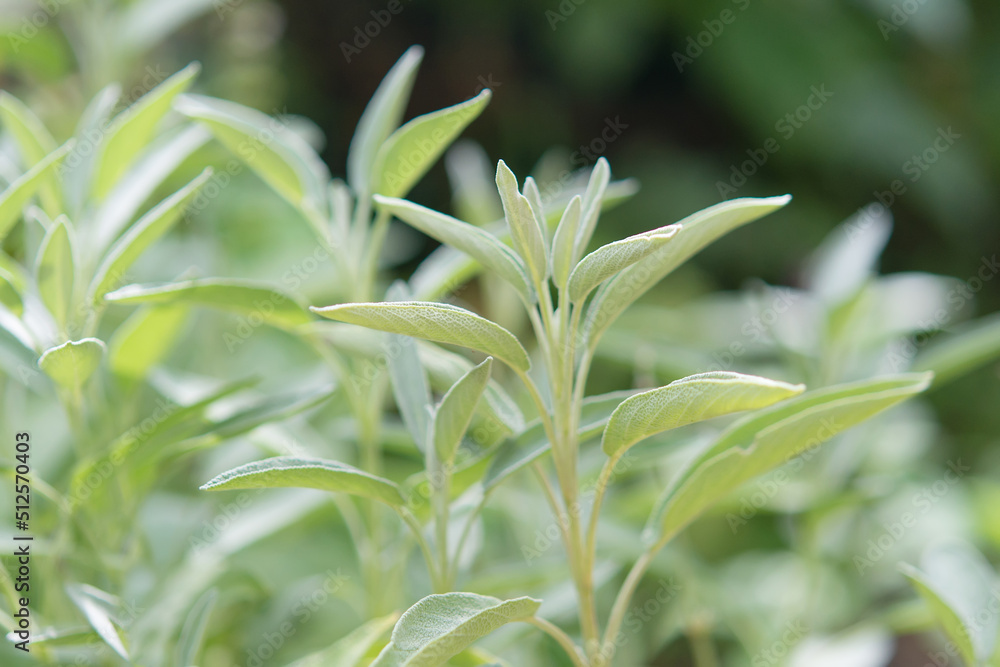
point(409, 380)
point(600, 176)
point(35, 142)
point(440, 627)
point(437, 322)
point(287, 471)
point(689, 400)
point(848, 256)
point(474, 194)
point(87, 598)
point(239, 296)
point(142, 25)
point(529, 240)
point(961, 351)
point(71, 364)
point(144, 339)
point(382, 115)
point(20, 191)
point(454, 414)
point(193, 630)
point(143, 234)
point(352, 649)
point(769, 438)
point(10, 295)
point(410, 151)
point(131, 130)
point(609, 259)
point(697, 231)
point(55, 270)
point(473, 241)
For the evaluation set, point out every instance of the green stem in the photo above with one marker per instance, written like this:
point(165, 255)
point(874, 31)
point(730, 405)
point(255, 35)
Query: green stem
point(441, 484)
point(425, 549)
point(624, 597)
point(561, 638)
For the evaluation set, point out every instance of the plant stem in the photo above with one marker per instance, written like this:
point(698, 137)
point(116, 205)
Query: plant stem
point(561, 637)
point(418, 533)
point(624, 597)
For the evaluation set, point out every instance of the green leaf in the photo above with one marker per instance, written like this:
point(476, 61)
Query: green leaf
point(193, 631)
point(382, 115)
point(562, 242)
point(697, 231)
point(409, 380)
point(55, 271)
point(351, 650)
point(532, 443)
point(92, 602)
point(157, 162)
point(612, 258)
point(10, 295)
point(959, 585)
point(145, 339)
point(288, 471)
point(962, 351)
point(440, 627)
point(438, 322)
point(34, 142)
point(71, 364)
point(21, 190)
point(411, 150)
point(473, 241)
point(592, 203)
point(524, 227)
point(454, 414)
point(769, 438)
point(281, 158)
point(150, 227)
point(689, 400)
point(132, 129)
point(239, 296)
point(534, 197)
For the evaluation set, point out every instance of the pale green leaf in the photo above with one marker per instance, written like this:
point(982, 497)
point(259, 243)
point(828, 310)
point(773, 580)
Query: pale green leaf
point(689, 400)
point(454, 414)
point(133, 128)
point(945, 615)
point(697, 231)
point(246, 298)
point(534, 197)
point(288, 471)
point(71, 364)
point(961, 351)
point(612, 258)
point(145, 339)
point(410, 151)
point(150, 227)
point(440, 627)
point(475, 242)
point(524, 227)
point(280, 157)
point(351, 650)
point(21, 190)
point(193, 631)
point(848, 256)
point(382, 115)
point(563, 241)
point(474, 192)
point(35, 142)
point(438, 322)
point(769, 438)
point(592, 203)
point(409, 380)
point(10, 295)
point(145, 23)
point(91, 601)
point(55, 271)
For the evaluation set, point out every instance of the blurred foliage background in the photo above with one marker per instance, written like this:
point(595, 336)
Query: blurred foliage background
point(698, 101)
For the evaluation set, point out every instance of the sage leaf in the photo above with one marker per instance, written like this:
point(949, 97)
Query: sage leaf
point(89, 600)
point(71, 364)
point(437, 322)
point(689, 400)
point(132, 129)
point(288, 471)
point(149, 228)
point(524, 227)
point(612, 258)
point(18, 193)
point(145, 339)
point(592, 203)
point(454, 414)
point(382, 115)
point(563, 241)
point(276, 308)
point(410, 151)
point(697, 231)
point(409, 379)
point(473, 241)
point(961, 351)
point(55, 271)
point(351, 650)
point(439, 627)
point(35, 142)
point(769, 438)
